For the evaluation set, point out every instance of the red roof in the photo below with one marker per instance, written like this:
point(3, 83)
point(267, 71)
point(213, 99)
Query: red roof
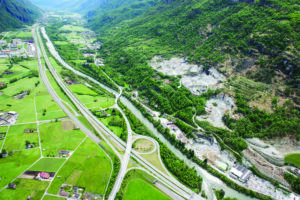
point(44, 175)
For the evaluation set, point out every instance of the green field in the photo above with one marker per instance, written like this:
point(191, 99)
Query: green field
point(115, 129)
point(20, 34)
point(16, 138)
point(59, 91)
point(14, 165)
point(88, 168)
point(18, 71)
point(293, 158)
point(4, 61)
point(73, 28)
point(53, 198)
point(136, 186)
point(21, 85)
point(46, 103)
point(24, 107)
point(48, 164)
point(140, 189)
point(90, 98)
point(82, 90)
point(3, 130)
point(63, 139)
point(102, 102)
point(31, 63)
point(24, 188)
point(143, 145)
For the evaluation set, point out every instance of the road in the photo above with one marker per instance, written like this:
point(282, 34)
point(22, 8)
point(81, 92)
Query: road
point(59, 101)
point(105, 133)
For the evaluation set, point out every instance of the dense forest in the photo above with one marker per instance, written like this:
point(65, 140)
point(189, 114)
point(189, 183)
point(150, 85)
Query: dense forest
point(284, 121)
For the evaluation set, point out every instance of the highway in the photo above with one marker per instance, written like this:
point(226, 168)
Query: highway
point(105, 133)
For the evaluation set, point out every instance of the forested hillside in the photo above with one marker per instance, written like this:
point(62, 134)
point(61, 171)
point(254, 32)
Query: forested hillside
point(92, 7)
point(255, 39)
point(262, 36)
point(16, 13)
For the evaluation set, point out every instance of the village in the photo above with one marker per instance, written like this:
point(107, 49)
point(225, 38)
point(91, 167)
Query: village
point(17, 48)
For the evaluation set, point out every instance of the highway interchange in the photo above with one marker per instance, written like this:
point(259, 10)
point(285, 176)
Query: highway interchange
point(179, 190)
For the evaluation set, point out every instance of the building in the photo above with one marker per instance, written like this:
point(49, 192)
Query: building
point(64, 193)
point(29, 146)
point(241, 173)
point(44, 175)
point(8, 118)
point(17, 42)
point(297, 171)
point(4, 155)
point(1, 137)
point(2, 84)
point(4, 56)
point(7, 72)
point(64, 153)
point(30, 130)
point(12, 186)
point(3, 42)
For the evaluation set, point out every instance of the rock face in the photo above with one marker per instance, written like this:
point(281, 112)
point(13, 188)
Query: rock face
point(194, 77)
point(14, 13)
point(216, 107)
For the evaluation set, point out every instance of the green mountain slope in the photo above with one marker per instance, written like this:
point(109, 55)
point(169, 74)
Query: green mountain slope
point(16, 13)
point(114, 12)
point(257, 40)
point(233, 36)
point(83, 6)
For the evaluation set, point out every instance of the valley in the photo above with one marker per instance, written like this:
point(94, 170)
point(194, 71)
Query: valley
point(129, 100)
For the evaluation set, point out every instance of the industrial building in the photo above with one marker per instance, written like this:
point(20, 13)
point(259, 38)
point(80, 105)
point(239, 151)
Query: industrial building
point(8, 118)
point(241, 173)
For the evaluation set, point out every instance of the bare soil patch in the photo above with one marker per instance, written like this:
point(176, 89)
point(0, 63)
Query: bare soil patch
point(143, 145)
point(67, 125)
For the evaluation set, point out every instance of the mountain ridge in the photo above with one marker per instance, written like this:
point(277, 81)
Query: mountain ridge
point(16, 13)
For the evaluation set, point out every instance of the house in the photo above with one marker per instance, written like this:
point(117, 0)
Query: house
point(30, 130)
point(69, 82)
point(64, 193)
point(64, 153)
point(27, 131)
point(17, 42)
point(44, 175)
point(297, 171)
point(12, 186)
point(2, 84)
point(29, 41)
point(7, 73)
point(29, 146)
point(4, 155)
point(1, 137)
